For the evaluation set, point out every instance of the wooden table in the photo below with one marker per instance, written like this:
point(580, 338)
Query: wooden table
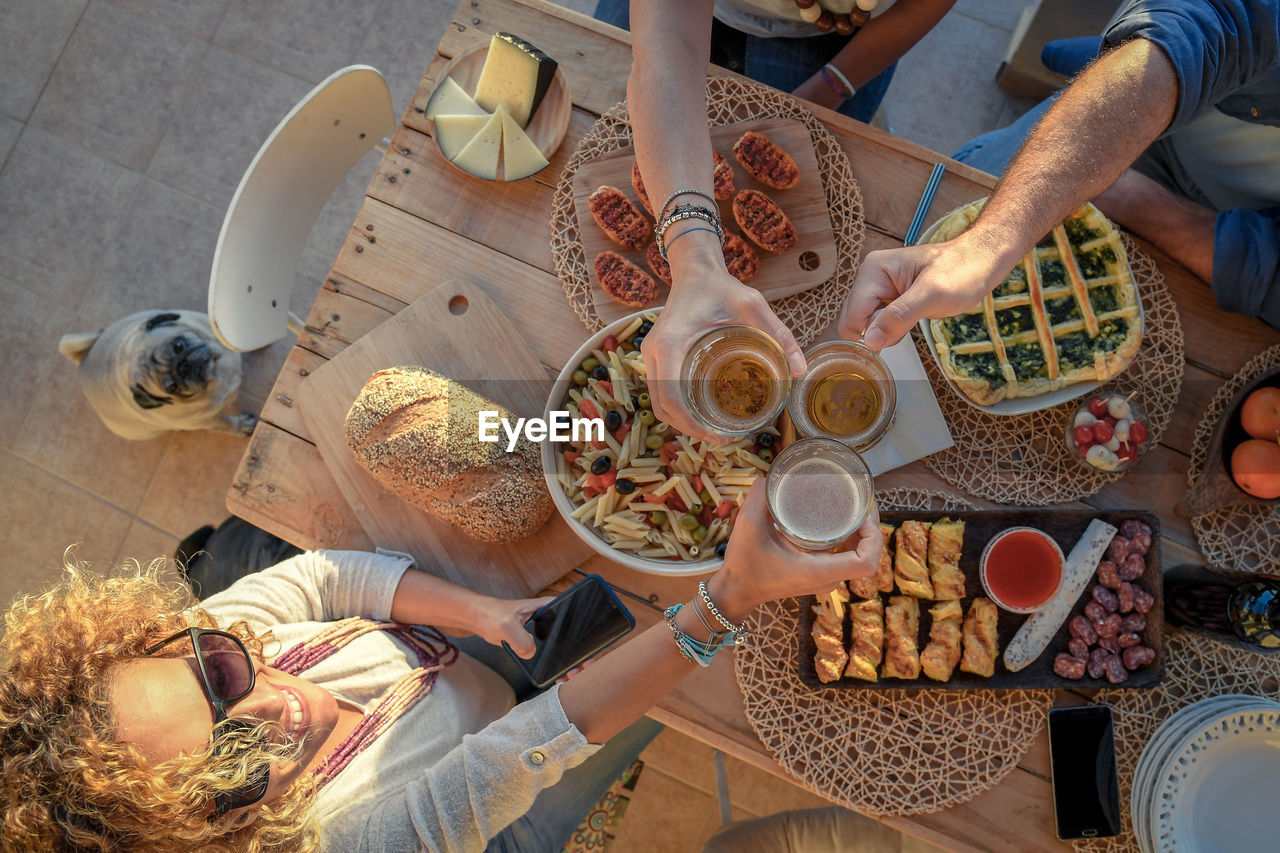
point(423, 222)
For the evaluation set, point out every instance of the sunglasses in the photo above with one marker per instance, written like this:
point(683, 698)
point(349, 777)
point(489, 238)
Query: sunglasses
point(228, 675)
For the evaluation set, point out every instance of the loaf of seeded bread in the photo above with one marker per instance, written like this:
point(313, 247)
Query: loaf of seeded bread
point(418, 432)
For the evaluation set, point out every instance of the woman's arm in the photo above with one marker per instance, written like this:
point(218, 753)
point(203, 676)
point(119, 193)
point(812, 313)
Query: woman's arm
point(424, 599)
point(666, 93)
point(879, 43)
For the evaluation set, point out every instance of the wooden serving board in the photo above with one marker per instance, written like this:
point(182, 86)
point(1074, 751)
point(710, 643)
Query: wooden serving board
point(457, 331)
point(810, 263)
point(1066, 528)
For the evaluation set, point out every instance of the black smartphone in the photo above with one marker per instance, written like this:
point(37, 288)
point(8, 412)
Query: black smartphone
point(583, 620)
point(1082, 754)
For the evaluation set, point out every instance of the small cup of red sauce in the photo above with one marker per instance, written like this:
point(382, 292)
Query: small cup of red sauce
point(1021, 569)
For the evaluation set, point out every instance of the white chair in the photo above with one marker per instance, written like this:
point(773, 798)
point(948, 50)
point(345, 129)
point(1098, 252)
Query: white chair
point(279, 198)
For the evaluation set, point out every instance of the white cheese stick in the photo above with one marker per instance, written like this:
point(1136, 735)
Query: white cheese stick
point(1041, 626)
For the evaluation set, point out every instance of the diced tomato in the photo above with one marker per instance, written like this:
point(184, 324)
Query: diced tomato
point(589, 491)
point(724, 509)
point(571, 456)
point(606, 385)
point(697, 484)
point(588, 409)
point(704, 517)
point(668, 452)
point(608, 478)
point(657, 499)
point(675, 502)
point(610, 344)
point(621, 432)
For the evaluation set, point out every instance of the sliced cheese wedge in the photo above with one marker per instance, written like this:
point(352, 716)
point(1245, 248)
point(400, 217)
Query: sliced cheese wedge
point(517, 75)
point(520, 157)
point(480, 156)
point(451, 99)
point(454, 132)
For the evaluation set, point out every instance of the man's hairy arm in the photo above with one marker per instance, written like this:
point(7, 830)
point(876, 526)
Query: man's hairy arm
point(1181, 228)
point(1102, 122)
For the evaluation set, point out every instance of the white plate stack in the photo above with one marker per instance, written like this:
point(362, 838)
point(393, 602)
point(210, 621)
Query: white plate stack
point(1207, 779)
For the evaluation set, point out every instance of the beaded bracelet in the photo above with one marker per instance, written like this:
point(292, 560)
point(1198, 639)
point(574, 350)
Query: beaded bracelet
point(668, 245)
point(697, 651)
point(687, 212)
point(738, 632)
point(686, 191)
point(837, 81)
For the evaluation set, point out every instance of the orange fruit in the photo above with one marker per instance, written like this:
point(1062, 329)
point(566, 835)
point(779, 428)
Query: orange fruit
point(1255, 466)
point(1260, 414)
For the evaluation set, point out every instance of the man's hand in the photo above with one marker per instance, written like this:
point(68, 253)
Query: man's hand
point(915, 283)
point(503, 621)
point(693, 309)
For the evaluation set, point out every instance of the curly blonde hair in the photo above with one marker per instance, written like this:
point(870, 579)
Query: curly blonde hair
point(68, 784)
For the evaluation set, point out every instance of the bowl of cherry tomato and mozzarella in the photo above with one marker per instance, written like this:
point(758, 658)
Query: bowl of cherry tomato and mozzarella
point(1108, 432)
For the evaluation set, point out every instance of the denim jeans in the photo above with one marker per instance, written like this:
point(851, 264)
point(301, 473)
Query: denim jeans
point(558, 810)
point(783, 63)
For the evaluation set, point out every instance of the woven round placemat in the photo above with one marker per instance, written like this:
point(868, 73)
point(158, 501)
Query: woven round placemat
point(729, 100)
point(881, 752)
point(1023, 459)
point(1235, 538)
point(1195, 667)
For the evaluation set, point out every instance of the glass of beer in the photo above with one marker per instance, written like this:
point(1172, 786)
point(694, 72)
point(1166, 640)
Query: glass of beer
point(819, 492)
point(848, 395)
point(735, 380)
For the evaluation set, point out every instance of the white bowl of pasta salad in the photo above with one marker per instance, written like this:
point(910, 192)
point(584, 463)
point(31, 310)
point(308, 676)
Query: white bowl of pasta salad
point(645, 496)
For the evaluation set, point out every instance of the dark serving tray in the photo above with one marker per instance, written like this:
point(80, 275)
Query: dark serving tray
point(1066, 527)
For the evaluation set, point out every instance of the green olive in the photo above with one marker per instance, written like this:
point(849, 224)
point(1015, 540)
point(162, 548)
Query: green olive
point(696, 508)
point(580, 377)
point(653, 442)
point(590, 363)
point(690, 522)
point(659, 518)
point(766, 454)
point(647, 417)
point(699, 533)
point(645, 401)
point(705, 497)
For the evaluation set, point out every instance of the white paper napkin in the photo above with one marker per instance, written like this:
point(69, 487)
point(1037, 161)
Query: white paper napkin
point(918, 426)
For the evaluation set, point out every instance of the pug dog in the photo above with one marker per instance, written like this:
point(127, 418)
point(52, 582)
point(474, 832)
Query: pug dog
point(157, 371)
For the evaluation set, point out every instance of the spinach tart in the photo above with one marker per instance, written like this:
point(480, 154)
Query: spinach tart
point(1067, 313)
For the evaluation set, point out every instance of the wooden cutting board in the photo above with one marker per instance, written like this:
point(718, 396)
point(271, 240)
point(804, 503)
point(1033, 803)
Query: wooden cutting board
point(456, 331)
point(810, 263)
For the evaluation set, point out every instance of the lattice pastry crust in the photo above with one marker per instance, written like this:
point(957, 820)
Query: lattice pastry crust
point(1067, 313)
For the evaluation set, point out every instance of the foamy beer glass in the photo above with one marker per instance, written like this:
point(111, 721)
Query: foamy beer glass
point(735, 380)
point(819, 492)
point(848, 394)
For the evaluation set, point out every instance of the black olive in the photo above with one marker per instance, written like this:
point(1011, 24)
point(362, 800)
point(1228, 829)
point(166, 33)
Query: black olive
point(624, 486)
point(645, 327)
point(601, 465)
point(721, 548)
point(612, 419)
point(765, 439)
point(600, 372)
point(637, 341)
point(635, 402)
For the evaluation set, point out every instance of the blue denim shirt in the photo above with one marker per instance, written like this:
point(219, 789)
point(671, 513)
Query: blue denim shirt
point(1227, 56)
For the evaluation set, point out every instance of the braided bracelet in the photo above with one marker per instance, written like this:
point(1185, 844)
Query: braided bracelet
point(737, 632)
point(693, 650)
point(668, 245)
point(687, 191)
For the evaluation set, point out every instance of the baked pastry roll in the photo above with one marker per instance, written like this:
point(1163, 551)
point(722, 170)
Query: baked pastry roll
point(624, 281)
point(910, 572)
point(866, 642)
point(901, 627)
point(882, 579)
point(1067, 313)
point(939, 658)
point(829, 656)
point(945, 540)
point(980, 644)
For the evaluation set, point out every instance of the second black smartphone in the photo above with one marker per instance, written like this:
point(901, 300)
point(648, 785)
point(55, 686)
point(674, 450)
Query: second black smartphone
point(581, 621)
point(1082, 754)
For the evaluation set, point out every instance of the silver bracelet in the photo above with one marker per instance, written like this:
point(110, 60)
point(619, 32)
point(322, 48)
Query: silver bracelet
point(739, 631)
point(687, 191)
point(687, 212)
point(839, 75)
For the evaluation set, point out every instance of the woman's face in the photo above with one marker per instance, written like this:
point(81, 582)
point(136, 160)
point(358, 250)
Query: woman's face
point(161, 708)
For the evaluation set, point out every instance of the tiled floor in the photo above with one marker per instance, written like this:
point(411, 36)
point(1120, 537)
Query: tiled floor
point(124, 128)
